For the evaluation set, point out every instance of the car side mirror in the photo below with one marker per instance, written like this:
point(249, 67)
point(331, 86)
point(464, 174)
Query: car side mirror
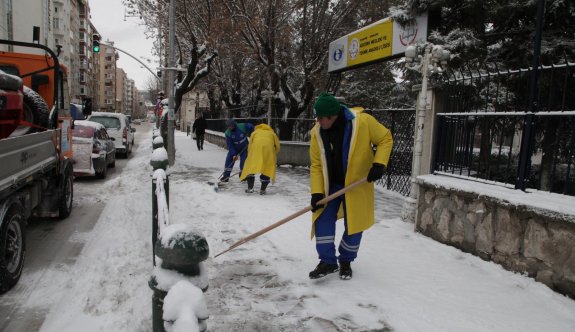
point(133, 130)
point(112, 138)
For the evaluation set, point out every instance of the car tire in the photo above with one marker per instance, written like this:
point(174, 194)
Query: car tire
point(102, 173)
point(113, 163)
point(12, 248)
point(35, 111)
point(67, 193)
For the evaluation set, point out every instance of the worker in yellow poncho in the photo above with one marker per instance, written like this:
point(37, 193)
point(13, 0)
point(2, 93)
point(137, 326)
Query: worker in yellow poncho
point(342, 152)
point(262, 158)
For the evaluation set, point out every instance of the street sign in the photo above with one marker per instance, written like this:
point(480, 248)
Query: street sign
point(375, 42)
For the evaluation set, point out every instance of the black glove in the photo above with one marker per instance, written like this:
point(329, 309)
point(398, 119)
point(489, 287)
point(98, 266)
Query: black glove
point(314, 199)
point(376, 172)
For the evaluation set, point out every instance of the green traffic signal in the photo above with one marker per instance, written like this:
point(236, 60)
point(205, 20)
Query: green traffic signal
point(96, 43)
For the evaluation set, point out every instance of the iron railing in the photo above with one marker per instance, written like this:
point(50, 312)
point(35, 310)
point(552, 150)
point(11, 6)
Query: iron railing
point(300, 131)
point(480, 128)
point(401, 123)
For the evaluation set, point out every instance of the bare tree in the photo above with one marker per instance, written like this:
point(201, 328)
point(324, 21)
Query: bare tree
point(290, 40)
point(193, 25)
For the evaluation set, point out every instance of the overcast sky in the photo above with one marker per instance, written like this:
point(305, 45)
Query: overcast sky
point(108, 18)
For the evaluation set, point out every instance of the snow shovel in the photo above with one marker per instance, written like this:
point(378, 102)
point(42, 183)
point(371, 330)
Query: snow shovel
point(293, 216)
point(217, 185)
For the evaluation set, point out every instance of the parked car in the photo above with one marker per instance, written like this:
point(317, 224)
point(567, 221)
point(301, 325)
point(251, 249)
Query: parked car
point(94, 149)
point(119, 128)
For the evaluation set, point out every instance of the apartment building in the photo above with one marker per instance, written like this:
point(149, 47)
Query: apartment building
point(65, 27)
point(25, 20)
point(120, 90)
point(107, 79)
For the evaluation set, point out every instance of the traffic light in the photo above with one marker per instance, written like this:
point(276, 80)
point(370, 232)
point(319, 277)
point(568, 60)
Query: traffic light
point(96, 43)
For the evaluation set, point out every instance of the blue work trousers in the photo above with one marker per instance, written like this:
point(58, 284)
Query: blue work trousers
point(230, 162)
point(325, 233)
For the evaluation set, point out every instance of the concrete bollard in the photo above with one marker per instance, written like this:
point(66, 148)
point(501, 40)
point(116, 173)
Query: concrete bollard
point(157, 142)
point(180, 253)
point(159, 158)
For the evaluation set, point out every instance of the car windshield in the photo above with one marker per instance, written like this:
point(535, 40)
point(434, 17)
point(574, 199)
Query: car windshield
point(107, 121)
point(82, 131)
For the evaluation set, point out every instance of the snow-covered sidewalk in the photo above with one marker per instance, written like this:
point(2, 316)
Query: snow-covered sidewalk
point(403, 281)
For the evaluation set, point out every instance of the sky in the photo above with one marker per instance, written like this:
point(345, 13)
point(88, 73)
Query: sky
point(402, 281)
point(108, 18)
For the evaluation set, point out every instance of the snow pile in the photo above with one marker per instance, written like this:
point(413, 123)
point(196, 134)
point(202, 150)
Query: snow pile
point(159, 154)
point(162, 201)
point(165, 279)
point(158, 140)
point(183, 307)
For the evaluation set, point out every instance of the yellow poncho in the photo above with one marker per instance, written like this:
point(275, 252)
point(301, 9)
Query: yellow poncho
point(262, 153)
point(366, 131)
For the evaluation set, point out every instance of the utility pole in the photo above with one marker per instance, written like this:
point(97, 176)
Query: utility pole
point(425, 59)
point(171, 145)
point(269, 94)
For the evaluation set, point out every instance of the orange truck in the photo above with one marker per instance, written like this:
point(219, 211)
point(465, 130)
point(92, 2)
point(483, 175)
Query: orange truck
point(36, 176)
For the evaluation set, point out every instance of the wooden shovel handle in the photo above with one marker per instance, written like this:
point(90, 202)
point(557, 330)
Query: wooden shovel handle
point(294, 215)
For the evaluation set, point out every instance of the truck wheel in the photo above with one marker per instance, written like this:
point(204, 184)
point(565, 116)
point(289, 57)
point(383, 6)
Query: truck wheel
point(35, 111)
point(12, 248)
point(67, 193)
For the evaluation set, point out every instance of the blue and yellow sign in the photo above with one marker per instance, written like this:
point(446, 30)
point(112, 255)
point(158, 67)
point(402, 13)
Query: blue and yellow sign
point(370, 44)
point(380, 40)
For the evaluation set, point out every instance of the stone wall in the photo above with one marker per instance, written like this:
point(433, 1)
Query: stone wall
point(531, 241)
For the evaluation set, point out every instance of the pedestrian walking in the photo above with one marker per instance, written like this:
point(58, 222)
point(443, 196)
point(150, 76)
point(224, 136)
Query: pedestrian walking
point(341, 152)
point(262, 158)
point(237, 142)
point(199, 128)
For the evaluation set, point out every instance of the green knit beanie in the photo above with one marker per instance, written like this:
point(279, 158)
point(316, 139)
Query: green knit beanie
point(326, 105)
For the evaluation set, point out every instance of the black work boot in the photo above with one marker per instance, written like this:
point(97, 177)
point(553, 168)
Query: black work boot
point(345, 270)
point(323, 269)
point(263, 188)
point(251, 181)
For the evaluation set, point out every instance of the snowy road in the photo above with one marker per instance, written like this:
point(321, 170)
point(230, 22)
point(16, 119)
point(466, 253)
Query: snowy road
point(53, 247)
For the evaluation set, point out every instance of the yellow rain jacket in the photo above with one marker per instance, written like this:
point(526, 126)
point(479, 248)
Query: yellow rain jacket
point(366, 132)
point(262, 153)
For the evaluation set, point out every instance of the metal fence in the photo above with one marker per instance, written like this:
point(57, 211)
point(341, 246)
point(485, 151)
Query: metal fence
point(487, 119)
point(300, 131)
point(401, 123)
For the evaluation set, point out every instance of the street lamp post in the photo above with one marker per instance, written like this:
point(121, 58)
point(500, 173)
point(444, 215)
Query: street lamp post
point(426, 59)
point(171, 78)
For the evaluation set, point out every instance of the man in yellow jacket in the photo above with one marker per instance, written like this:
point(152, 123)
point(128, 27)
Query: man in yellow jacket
point(342, 152)
point(262, 158)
